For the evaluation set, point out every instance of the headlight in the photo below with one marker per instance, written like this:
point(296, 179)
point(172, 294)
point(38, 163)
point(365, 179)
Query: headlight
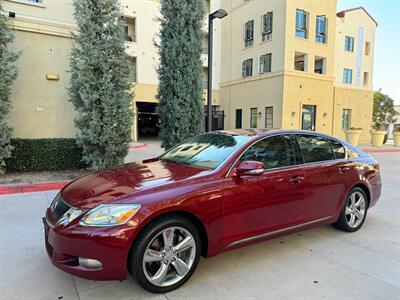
point(110, 214)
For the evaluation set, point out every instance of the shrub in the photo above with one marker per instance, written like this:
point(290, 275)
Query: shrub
point(45, 155)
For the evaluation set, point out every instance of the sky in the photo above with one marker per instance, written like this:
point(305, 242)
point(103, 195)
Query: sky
point(387, 43)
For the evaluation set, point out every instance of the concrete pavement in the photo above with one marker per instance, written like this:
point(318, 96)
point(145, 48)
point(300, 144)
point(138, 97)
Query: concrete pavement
point(321, 263)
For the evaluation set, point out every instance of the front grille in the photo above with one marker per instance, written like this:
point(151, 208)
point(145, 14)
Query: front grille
point(58, 208)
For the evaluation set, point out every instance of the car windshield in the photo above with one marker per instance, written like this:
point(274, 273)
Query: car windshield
point(207, 151)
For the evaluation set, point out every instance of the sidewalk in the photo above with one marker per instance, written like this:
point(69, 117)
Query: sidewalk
point(387, 148)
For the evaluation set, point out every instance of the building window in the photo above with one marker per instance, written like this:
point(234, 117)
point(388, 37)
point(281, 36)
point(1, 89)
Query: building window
point(301, 24)
point(267, 26)
point(367, 48)
point(247, 68)
point(346, 119)
point(320, 65)
point(320, 29)
point(249, 33)
point(300, 61)
point(269, 117)
point(348, 43)
point(265, 63)
point(238, 119)
point(347, 76)
point(130, 29)
point(253, 117)
point(35, 1)
point(308, 117)
point(365, 79)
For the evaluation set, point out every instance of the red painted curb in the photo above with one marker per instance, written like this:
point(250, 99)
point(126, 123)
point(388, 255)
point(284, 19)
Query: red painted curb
point(30, 188)
point(380, 151)
point(138, 146)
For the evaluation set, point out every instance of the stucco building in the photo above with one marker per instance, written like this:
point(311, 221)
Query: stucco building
point(297, 65)
point(43, 34)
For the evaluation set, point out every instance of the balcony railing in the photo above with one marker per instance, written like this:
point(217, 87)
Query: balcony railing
point(130, 38)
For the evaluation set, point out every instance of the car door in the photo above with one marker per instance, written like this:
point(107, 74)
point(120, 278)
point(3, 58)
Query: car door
point(325, 176)
point(255, 205)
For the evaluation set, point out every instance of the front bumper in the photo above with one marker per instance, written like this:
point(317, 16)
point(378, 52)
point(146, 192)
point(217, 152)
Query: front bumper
point(110, 246)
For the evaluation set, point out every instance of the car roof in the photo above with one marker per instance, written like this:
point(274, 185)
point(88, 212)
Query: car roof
point(257, 133)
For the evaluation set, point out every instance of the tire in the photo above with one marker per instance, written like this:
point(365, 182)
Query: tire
point(353, 215)
point(163, 268)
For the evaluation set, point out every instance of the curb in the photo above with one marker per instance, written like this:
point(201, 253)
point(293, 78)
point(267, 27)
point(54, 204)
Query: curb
point(138, 146)
point(31, 188)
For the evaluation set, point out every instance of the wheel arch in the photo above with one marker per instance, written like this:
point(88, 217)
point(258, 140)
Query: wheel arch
point(195, 220)
point(365, 188)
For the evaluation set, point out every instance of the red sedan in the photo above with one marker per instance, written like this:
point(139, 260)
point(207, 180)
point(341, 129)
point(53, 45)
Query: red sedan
point(212, 193)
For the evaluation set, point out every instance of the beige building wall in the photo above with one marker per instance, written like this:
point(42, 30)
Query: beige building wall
point(40, 105)
point(288, 89)
point(307, 87)
point(260, 90)
point(43, 34)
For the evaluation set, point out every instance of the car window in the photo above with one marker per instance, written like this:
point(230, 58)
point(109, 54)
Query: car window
point(275, 152)
point(338, 150)
point(315, 148)
point(206, 151)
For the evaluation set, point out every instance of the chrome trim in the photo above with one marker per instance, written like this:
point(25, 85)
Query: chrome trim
point(254, 172)
point(272, 233)
point(49, 207)
point(48, 222)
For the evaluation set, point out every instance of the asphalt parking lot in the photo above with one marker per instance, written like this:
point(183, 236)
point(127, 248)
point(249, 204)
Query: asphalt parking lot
point(321, 263)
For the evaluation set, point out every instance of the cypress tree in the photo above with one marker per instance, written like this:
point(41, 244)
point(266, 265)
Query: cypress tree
point(8, 73)
point(100, 89)
point(180, 72)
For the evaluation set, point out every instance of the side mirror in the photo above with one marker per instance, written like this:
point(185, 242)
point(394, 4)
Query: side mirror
point(250, 167)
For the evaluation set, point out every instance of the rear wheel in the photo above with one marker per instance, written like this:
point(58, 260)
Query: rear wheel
point(165, 254)
point(354, 211)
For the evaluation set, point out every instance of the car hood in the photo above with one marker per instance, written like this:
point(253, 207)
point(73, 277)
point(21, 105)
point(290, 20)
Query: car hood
point(100, 187)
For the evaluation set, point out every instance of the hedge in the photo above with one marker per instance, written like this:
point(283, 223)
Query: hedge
point(45, 155)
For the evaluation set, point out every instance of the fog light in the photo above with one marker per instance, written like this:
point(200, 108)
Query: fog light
point(89, 263)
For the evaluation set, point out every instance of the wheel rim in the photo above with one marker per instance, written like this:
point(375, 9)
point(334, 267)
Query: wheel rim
point(355, 209)
point(169, 256)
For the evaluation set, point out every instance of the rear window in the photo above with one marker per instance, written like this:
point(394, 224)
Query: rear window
point(338, 150)
point(315, 148)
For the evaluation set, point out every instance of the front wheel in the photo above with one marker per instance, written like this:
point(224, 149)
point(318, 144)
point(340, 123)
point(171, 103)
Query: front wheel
point(165, 254)
point(354, 211)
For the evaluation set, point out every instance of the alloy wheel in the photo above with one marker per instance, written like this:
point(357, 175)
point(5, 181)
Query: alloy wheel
point(169, 256)
point(355, 209)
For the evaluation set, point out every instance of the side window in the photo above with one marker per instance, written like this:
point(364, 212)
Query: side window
point(275, 152)
point(315, 148)
point(338, 150)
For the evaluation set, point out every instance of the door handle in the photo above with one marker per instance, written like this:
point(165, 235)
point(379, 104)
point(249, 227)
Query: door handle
point(296, 179)
point(343, 170)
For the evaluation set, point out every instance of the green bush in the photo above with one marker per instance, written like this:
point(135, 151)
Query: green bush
point(45, 155)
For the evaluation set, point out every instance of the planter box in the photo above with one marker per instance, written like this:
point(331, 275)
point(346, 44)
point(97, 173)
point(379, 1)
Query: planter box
point(353, 136)
point(396, 138)
point(377, 137)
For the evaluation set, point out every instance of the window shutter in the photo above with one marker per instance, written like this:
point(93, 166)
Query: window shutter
point(244, 69)
point(269, 59)
point(270, 19)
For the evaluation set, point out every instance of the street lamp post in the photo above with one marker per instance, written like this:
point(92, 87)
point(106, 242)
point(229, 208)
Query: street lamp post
point(219, 14)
